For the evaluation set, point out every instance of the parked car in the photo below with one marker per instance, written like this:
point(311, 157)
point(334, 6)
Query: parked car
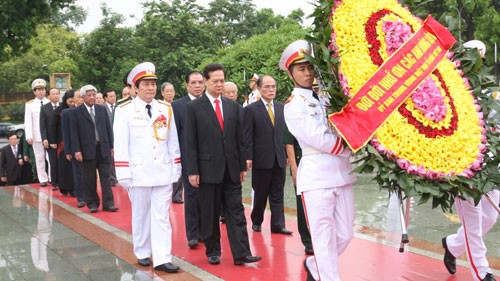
point(18, 129)
point(4, 129)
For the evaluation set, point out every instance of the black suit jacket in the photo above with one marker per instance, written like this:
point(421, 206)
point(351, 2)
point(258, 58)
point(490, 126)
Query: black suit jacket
point(209, 151)
point(83, 135)
point(264, 142)
point(46, 116)
point(179, 109)
point(9, 163)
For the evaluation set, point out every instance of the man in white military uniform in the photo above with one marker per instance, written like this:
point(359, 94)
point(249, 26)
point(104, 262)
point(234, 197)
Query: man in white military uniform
point(147, 160)
point(255, 94)
point(32, 128)
point(476, 222)
point(324, 176)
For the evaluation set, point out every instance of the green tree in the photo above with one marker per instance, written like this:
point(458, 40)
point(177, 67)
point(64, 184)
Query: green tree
point(19, 21)
point(105, 56)
point(259, 54)
point(53, 46)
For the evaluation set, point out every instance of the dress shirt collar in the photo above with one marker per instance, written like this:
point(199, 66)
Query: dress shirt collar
point(191, 96)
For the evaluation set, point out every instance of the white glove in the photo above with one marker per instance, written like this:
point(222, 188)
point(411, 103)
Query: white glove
point(127, 183)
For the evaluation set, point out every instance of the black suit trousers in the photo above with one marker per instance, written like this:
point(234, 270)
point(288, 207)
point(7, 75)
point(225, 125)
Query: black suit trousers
point(227, 193)
point(89, 180)
point(269, 183)
point(53, 166)
point(191, 210)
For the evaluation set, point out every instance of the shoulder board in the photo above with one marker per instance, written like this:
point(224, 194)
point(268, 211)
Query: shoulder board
point(122, 100)
point(125, 103)
point(164, 102)
point(289, 99)
point(30, 101)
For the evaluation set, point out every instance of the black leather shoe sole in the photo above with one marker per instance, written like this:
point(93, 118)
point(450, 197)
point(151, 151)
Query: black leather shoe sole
point(214, 260)
point(144, 262)
point(167, 267)
point(449, 260)
point(247, 259)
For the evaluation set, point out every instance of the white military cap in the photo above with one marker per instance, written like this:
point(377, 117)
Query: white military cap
point(38, 83)
point(255, 77)
point(145, 70)
point(481, 48)
point(294, 53)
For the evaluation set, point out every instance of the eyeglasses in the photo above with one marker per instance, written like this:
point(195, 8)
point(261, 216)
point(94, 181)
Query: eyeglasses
point(268, 87)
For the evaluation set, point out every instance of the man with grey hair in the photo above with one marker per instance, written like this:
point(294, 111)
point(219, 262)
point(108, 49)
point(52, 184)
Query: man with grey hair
point(92, 146)
point(230, 91)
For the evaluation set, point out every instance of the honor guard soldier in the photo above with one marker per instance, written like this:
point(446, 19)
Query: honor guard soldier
point(126, 96)
point(32, 128)
point(147, 160)
point(254, 95)
point(324, 176)
point(476, 221)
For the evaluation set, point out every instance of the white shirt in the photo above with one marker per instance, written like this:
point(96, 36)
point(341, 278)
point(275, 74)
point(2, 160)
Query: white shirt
point(191, 96)
point(212, 102)
point(265, 104)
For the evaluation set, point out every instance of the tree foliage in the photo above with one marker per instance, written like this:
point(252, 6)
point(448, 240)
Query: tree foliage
point(19, 21)
point(53, 46)
point(106, 52)
point(259, 54)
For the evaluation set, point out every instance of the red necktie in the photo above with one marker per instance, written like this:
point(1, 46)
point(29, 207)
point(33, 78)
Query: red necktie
point(218, 113)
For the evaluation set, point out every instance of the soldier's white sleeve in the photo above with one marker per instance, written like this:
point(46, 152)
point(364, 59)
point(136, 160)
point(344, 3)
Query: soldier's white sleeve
point(308, 127)
point(121, 134)
point(28, 122)
point(174, 151)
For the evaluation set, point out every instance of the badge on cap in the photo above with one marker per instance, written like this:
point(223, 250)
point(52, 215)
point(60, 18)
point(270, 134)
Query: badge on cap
point(294, 53)
point(38, 83)
point(145, 70)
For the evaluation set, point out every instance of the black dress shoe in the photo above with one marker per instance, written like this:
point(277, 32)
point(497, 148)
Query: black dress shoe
point(247, 259)
point(178, 201)
point(222, 220)
point(93, 209)
point(309, 275)
point(282, 231)
point(167, 267)
point(192, 243)
point(72, 194)
point(256, 228)
point(110, 209)
point(489, 277)
point(81, 204)
point(214, 260)
point(144, 262)
point(309, 251)
point(449, 260)
point(43, 184)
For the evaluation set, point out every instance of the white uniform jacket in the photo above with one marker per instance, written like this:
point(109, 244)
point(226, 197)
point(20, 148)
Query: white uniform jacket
point(32, 119)
point(325, 163)
point(146, 149)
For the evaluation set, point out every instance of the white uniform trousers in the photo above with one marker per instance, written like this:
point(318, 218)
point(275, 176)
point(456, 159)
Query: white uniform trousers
point(40, 157)
point(330, 216)
point(151, 228)
point(476, 222)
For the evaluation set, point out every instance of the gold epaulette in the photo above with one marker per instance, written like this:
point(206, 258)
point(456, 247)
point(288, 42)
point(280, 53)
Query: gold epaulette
point(164, 102)
point(125, 103)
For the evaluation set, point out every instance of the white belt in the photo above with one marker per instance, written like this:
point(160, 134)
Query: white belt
point(311, 151)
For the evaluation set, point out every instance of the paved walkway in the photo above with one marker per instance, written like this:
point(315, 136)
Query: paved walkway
point(43, 236)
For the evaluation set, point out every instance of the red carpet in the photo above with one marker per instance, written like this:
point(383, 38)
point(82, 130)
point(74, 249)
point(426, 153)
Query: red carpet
point(283, 256)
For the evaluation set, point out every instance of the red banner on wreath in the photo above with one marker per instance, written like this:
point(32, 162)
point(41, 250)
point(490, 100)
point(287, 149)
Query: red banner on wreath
point(392, 83)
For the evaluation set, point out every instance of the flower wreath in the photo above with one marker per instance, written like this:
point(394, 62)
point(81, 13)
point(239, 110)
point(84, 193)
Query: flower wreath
point(438, 143)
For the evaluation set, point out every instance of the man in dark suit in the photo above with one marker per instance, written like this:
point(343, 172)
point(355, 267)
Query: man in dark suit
point(110, 105)
point(265, 153)
point(46, 116)
point(92, 146)
point(195, 87)
point(66, 121)
point(11, 161)
point(216, 166)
